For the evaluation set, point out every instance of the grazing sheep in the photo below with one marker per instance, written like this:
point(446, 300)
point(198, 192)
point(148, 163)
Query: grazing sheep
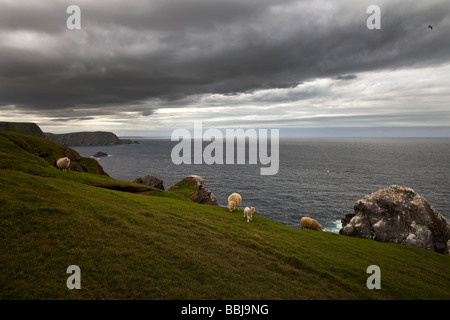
point(63, 163)
point(234, 200)
point(310, 223)
point(248, 213)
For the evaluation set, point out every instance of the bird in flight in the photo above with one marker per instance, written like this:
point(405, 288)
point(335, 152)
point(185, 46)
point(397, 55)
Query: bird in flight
point(431, 27)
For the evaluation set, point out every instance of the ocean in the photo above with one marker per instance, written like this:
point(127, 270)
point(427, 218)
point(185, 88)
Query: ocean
point(320, 178)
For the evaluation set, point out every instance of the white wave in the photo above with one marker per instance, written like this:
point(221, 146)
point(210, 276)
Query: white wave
point(337, 225)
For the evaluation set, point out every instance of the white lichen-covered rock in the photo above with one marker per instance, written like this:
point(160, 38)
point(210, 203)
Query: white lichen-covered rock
point(399, 215)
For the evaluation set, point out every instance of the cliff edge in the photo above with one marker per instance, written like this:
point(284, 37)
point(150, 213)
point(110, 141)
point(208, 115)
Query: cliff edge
point(28, 128)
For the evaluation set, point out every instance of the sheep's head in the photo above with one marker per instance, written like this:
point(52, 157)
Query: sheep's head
point(231, 206)
point(252, 209)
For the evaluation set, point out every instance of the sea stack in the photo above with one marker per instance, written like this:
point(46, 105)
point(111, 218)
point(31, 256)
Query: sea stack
point(100, 154)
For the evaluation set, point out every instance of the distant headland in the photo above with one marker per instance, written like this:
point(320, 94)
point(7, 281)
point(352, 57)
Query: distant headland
point(99, 138)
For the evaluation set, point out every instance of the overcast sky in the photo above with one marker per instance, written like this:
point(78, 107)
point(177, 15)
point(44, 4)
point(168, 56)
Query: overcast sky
point(148, 67)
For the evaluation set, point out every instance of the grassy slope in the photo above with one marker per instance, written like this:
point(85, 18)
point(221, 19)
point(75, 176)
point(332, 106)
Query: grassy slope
point(22, 127)
point(158, 246)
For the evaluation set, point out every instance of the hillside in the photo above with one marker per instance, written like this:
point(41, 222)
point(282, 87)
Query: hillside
point(152, 244)
point(22, 127)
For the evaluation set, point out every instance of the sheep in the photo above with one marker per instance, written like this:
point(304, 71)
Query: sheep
point(248, 213)
point(234, 200)
point(63, 163)
point(310, 223)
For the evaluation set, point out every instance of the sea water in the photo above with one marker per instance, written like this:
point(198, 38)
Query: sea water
point(317, 178)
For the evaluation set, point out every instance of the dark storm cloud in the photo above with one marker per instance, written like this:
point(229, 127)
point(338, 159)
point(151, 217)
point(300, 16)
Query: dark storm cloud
point(130, 52)
point(346, 77)
point(72, 119)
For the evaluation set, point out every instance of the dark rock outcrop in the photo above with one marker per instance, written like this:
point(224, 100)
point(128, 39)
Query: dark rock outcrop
point(194, 188)
point(99, 138)
point(150, 181)
point(346, 219)
point(399, 215)
point(100, 154)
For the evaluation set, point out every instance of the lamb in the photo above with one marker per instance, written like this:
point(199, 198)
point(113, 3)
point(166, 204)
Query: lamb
point(248, 213)
point(234, 200)
point(63, 163)
point(310, 223)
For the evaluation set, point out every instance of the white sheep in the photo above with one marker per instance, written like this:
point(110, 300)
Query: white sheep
point(63, 163)
point(234, 200)
point(248, 213)
point(309, 223)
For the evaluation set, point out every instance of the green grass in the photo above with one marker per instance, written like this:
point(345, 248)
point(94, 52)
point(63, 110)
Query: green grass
point(22, 127)
point(158, 245)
